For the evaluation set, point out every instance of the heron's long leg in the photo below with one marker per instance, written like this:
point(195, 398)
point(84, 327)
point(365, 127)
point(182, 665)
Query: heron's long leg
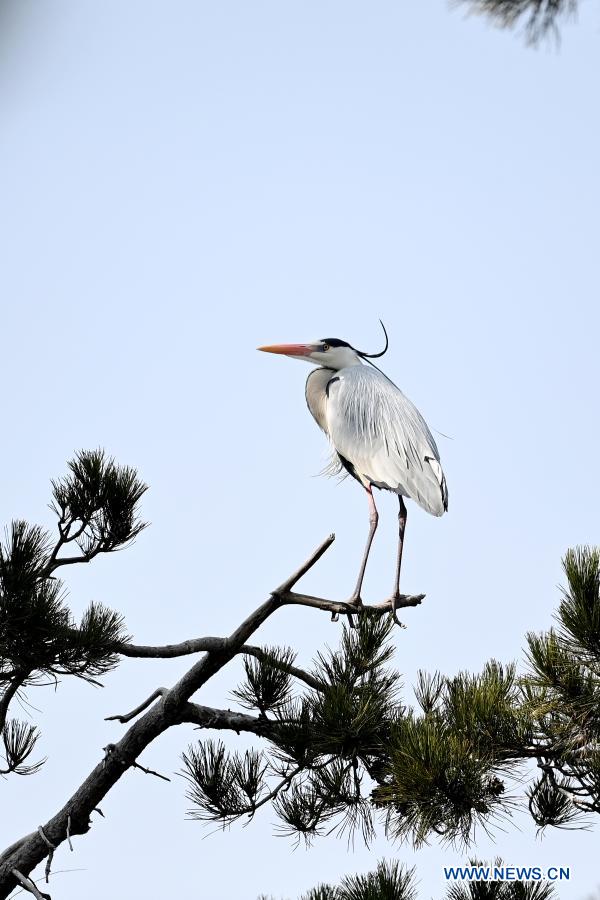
point(402, 516)
point(373, 520)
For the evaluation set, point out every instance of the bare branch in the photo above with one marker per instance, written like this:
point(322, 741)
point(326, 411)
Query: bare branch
point(9, 693)
point(150, 771)
point(30, 886)
point(336, 608)
point(289, 583)
point(169, 651)
point(291, 598)
point(74, 817)
point(127, 717)
point(198, 645)
point(225, 719)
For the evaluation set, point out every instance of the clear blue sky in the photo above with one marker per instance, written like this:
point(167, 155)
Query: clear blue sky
point(182, 182)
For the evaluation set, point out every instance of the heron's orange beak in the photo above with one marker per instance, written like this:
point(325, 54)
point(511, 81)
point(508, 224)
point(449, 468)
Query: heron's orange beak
point(289, 349)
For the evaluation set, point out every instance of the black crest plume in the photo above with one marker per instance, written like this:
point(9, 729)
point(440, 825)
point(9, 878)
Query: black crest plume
point(377, 355)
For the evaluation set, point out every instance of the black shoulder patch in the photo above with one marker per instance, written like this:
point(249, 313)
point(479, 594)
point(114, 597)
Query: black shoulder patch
point(329, 383)
point(348, 467)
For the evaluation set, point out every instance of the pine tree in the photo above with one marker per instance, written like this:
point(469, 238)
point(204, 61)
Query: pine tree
point(393, 881)
point(96, 509)
point(337, 747)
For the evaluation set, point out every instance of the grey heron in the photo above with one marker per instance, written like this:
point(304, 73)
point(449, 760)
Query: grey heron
point(378, 436)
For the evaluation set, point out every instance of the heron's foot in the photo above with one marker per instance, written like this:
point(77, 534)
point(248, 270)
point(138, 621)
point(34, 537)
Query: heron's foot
point(353, 606)
point(392, 604)
point(354, 602)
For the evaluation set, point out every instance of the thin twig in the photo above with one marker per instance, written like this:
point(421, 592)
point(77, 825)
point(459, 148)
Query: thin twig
point(289, 583)
point(48, 868)
point(300, 674)
point(136, 765)
point(30, 886)
point(127, 717)
point(284, 783)
point(51, 848)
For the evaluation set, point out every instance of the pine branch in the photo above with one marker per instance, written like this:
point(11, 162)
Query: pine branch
point(202, 644)
point(127, 717)
point(170, 651)
point(39, 635)
point(226, 720)
point(308, 679)
point(9, 693)
point(74, 817)
point(97, 508)
point(224, 787)
point(336, 608)
point(19, 739)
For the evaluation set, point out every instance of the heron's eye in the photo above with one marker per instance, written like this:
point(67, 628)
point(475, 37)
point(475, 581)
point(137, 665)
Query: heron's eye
point(325, 347)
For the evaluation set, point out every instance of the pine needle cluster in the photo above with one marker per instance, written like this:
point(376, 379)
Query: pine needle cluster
point(393, 881)
point(562, 694)
point(389, 881)
point(347, 749)
point(325, 743)
point(40, 641)
point(540, 16)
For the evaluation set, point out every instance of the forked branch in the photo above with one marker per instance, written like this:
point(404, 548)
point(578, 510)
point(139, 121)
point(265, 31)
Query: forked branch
point(173, 708)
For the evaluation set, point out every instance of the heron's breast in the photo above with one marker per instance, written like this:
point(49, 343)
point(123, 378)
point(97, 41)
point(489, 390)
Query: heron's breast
point(317, 395)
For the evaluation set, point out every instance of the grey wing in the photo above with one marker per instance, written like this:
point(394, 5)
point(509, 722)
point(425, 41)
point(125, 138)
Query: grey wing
point(384, 437)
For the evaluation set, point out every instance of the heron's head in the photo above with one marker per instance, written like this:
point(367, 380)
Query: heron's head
point(328, 352)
